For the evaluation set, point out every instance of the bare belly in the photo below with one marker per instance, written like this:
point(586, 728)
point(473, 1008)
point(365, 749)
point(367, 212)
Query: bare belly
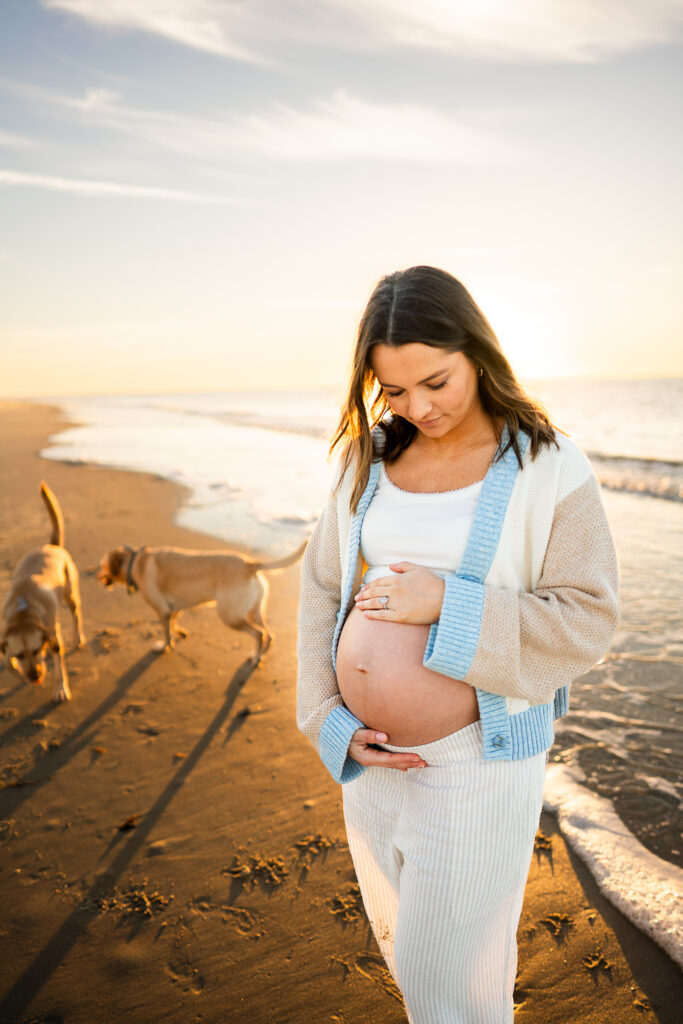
point(384, 683)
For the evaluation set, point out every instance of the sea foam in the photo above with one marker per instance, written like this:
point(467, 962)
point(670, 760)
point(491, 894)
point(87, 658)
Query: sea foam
point(647, 890)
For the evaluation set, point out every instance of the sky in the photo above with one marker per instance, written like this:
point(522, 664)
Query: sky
point(199, 195)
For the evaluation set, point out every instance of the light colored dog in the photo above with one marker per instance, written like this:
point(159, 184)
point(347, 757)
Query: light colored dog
point(30, 627)
point(171, 579)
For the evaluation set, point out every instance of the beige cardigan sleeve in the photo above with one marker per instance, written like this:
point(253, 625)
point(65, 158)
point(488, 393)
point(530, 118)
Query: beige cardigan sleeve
point(317, 690)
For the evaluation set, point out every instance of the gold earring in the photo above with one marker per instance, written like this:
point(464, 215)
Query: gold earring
point(480, 372)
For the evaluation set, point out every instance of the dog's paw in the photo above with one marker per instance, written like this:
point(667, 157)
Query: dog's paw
point(61, 695)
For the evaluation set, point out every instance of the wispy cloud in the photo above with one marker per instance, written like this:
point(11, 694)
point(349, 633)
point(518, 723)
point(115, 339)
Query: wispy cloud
point(85, 187)
point(9, 140)
point(563, 30)
point(338, 128)
point(345, 127)
point(210, 25)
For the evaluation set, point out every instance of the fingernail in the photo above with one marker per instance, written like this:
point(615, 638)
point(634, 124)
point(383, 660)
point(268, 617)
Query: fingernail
point(382, 737)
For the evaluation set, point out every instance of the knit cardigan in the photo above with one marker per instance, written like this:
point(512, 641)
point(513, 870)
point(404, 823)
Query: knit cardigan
point(532, 606)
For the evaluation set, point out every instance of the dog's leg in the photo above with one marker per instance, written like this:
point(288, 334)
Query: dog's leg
point(261, 636)
point(249, 621)
point(72, 596)
point(175, 628)
point(167, 643)
point(256, 621)
point(62, 691)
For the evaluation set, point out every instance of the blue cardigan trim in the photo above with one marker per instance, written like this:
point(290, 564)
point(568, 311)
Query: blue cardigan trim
point(333, 744)
point(353, 546)
point(453, 640)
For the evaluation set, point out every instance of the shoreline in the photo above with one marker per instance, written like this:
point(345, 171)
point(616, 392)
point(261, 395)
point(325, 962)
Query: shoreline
point(235, 870)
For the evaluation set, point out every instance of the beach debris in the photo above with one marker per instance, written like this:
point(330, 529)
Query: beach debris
point(40, 723)
point(135, 900)
point(345, 966)
point(308, 804)
point(312, 846)
point(129, 823)
point(543, 847)
point(7, 829)
point(559, 926)
point(134, 709)
point(6, 714)
point(542, 841)
point(268, 871)
point(149, 730)
point(251, 709)
point(98, 751)
point(347, 906)
point(640, 1001)
point(157, 848)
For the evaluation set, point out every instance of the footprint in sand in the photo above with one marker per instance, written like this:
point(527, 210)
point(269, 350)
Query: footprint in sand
point(106, 640)
point(372, 967)
point(559, 926)
point(182, 973)
point(243, 920)
point(597, 966)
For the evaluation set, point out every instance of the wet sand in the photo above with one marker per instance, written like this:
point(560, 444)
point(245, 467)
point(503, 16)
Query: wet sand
point(172, 848)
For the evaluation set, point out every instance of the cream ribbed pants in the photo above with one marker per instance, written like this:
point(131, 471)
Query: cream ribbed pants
point(442, 855)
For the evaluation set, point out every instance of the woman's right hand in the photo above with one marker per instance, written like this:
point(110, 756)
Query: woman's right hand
point(361, 749)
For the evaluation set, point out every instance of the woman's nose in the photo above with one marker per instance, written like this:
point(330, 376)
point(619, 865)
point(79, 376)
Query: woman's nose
point(420, 406)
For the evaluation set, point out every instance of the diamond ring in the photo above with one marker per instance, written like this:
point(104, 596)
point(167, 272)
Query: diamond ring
point(385, 601)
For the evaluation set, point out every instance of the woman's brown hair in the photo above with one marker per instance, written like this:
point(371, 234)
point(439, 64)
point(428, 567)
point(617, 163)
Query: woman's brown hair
point(430, 306)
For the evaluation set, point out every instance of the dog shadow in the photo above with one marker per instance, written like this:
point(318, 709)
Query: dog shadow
point(46, 768)
point(46, 962)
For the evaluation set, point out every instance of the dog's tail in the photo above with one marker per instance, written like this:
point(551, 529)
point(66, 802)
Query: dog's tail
point(55, 514)
point(282, 563)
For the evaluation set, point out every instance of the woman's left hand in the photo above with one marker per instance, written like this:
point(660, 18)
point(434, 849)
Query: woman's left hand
point(414, 594)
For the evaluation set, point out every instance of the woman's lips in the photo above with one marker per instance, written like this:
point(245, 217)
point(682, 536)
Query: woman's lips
point(428, 423)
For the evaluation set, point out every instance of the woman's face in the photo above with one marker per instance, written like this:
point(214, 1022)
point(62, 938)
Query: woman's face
point(432, 388)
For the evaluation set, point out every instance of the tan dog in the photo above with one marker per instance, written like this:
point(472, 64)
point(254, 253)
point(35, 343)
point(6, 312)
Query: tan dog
point(45, 577)
point(171, 579)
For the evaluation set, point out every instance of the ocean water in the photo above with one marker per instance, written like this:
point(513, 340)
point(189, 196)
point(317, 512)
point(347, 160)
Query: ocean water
point(254, 465)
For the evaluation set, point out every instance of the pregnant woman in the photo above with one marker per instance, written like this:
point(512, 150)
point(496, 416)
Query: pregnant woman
point(460, 577)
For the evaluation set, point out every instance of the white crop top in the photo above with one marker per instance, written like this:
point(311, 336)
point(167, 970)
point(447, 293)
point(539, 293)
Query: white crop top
point(430, 529)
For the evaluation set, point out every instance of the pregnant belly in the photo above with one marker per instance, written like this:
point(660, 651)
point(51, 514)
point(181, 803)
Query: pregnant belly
point(384, 683)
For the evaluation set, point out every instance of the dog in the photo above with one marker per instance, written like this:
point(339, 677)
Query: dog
point(44, 578)
point(171, 579)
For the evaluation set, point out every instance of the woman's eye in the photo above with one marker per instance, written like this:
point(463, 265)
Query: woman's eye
point(437, 387)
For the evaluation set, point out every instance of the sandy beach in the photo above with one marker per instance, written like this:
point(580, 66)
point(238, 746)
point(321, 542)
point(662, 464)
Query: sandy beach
point(172, 848)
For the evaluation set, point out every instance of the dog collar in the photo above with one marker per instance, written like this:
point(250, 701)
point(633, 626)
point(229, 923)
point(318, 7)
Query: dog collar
point(131, 585)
